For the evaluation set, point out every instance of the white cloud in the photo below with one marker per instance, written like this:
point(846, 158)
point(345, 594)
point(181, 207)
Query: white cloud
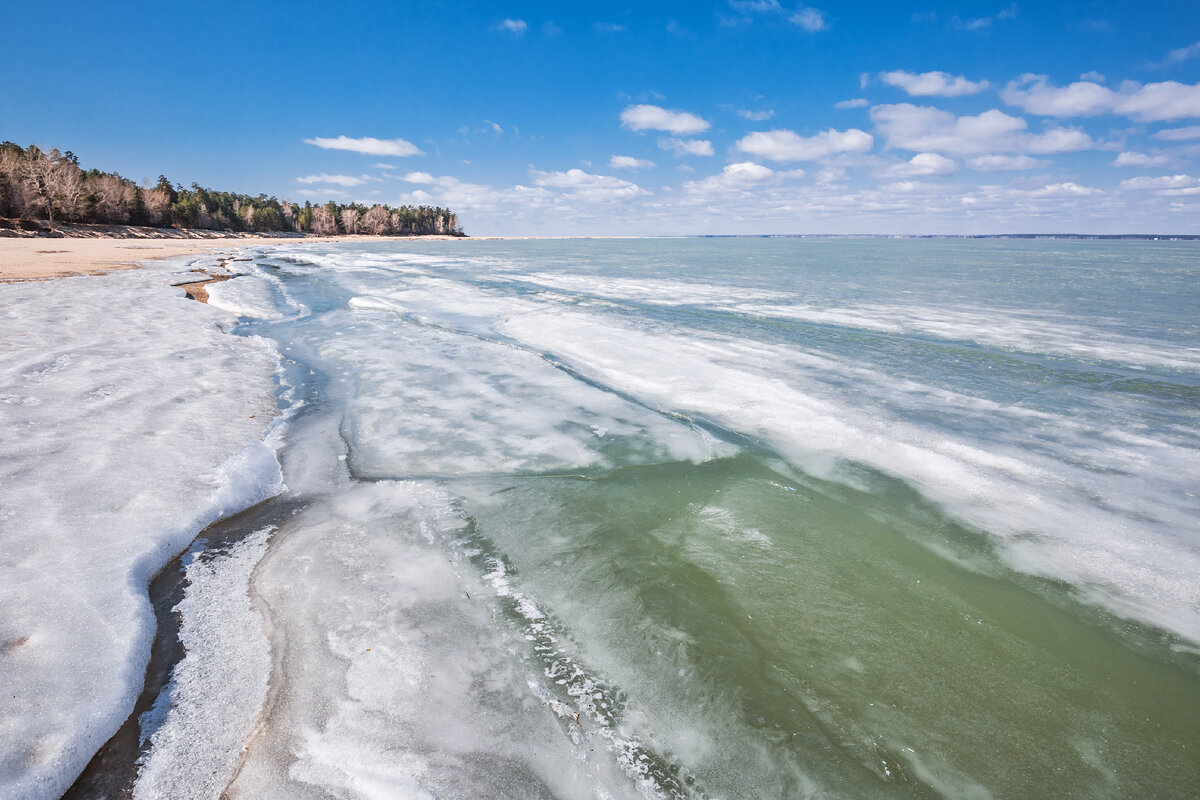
point(1057, 140)
point(856, 102)
point(577, 179)
point(831, 175)
point(923, 164)
point(1151, 102)
point(1156, 102)
point(756, 5)
point(938, 84)
point(686, 147)
point(1164, 182)
point(1067, 189)
point(1093, 76)
point(909, 187)
point(980, 23)
point(321, 193)
point(785, 145)
point(382, 165)
point(1178, 134)
point(756, 116)
point(926, 129)
point(810, 19)
point(997, 163)
point(609, 27)
point(587, 186)
point(629, 162)
point(648, 117)
point(922, 128)
point(461, 196)
point(1080, 99)
point(517, 27)
point(735, 177)
point(340, 180)
point(1131, 159)
point(1184, 53)
point(368, 146)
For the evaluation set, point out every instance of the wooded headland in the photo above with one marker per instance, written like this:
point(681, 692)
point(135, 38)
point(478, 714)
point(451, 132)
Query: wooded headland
point(51, 186)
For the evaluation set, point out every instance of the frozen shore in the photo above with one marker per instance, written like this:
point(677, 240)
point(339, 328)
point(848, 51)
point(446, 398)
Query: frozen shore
point(133, 418)
point(39, 258)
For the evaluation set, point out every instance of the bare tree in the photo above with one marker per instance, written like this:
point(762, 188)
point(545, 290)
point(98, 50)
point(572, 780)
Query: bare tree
point(324, 223)
point(67, 188)
point(157, 202)
point(36, 175)
point(350, 220)
point(289, 215)
point(113, 198)
point(12, 168)
point(377, 221)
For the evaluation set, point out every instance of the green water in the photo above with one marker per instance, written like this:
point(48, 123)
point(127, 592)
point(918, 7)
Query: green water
point(819, 639)
point(942, 543)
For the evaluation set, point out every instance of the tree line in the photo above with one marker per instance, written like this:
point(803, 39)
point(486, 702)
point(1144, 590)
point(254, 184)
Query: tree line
point(49, 185)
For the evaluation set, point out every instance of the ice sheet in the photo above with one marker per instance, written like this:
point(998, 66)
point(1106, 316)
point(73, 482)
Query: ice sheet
point(1052, 334)
point(254, 295)
point(396, 680)
point(1069, 500)
point(431, 402)
point(204, 715)
point(131, 419)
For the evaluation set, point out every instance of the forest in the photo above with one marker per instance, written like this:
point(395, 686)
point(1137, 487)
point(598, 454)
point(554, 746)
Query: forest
point(51, 186)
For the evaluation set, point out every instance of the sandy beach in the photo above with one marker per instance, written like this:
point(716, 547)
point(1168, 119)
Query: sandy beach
point(41, 258)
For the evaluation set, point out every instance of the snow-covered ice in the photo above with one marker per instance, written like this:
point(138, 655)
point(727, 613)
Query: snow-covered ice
point(131, 417)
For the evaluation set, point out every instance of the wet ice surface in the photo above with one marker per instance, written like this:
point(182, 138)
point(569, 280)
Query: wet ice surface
point(556, 529)
point(131, 420)
point(195, 732)
point(671, 617)
point(396, 680)
point(1077, 500)
point(475, 406)
point(252, 294)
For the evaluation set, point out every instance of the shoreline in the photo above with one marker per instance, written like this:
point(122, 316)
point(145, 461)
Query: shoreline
point(34, 258)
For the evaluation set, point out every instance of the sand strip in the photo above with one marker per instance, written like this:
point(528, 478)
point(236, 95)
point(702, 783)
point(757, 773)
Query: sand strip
point(42, 258)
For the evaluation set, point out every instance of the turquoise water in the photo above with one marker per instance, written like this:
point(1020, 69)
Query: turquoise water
point(738, 518)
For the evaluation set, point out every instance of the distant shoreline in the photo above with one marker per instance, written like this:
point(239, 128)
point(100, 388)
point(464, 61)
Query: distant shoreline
point(1146, 236)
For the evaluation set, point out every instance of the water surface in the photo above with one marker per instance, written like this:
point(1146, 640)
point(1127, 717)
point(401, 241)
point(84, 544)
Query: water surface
point(734, 518)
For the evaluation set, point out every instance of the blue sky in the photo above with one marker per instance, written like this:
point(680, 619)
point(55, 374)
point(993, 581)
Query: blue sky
point(729, 116)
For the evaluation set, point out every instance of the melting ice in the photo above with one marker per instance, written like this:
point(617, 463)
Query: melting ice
point(770, 518)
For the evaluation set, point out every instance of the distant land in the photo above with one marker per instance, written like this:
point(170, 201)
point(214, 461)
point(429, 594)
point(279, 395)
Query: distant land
point(50, 186)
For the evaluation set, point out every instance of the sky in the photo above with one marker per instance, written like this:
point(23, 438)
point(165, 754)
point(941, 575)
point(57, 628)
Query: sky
point(607, 118)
